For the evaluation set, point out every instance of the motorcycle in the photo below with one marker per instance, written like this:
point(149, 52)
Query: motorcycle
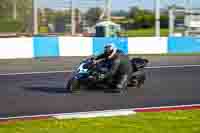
point(90, 75)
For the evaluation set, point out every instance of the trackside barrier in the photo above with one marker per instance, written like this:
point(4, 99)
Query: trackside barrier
point(99, 43)
point(45, 46)
point(11, 48)
point(25, 47)
point(147, 45)
point(183, 45)
point(75, 46)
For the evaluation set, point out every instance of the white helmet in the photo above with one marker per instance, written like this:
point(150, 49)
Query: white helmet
point(111, 46)
point(108, 48)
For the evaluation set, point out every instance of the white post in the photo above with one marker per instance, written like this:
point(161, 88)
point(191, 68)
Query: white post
point(188, 4)
point(157, 13)
point(108, 7)
point(171, 21)
point(14, 9)
point(73, 23)
point(35, 17)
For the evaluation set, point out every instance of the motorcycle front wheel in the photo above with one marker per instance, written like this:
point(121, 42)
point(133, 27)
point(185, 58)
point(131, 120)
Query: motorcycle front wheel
point(73, 86)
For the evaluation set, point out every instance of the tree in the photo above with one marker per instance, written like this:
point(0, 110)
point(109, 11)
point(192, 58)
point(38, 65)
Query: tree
point(141, 18)
point(92, 15)
point(24, 7)
point(133, 12)
point(24, 15)
point(164, 20)
point(120, 13)
point(5, 8)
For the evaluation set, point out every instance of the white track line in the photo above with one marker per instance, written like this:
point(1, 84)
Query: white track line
point(69, 71)
point(89, 114)
point(92, 114)
point(30, 73)
point(175, 66)
point(95, 114)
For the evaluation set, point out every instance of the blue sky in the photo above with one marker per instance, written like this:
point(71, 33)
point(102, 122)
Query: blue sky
point(121, 4)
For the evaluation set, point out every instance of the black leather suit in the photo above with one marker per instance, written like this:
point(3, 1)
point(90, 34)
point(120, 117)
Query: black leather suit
point(121, 68)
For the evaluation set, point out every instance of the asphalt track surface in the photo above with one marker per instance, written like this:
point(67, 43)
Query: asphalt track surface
point(36, 94)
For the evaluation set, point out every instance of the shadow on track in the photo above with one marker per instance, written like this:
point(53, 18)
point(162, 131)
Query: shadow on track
point(46, 89)
point(62, 90)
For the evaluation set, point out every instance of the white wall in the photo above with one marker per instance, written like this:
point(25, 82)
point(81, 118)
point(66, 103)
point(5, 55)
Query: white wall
point(11, 48)
point(147, 45)
point(75, 46)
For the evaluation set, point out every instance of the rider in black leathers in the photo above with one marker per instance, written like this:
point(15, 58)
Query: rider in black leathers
point(121, 67)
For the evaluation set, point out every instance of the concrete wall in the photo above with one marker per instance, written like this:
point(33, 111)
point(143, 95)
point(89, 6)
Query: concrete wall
point(75, 46)
point(11, 48)
point(46, 46)
point(183, 45)
point(99, 43)
point(147, 45)
point(16, 48)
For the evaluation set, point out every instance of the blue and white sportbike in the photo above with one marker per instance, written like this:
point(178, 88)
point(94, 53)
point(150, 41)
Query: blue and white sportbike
point(89, 75)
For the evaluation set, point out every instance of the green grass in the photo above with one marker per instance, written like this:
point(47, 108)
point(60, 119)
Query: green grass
point(144, 32)
point(174, 122)
point(147, 32)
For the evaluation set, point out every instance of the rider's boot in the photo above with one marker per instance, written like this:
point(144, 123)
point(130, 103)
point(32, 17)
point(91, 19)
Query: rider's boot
point(122, 85)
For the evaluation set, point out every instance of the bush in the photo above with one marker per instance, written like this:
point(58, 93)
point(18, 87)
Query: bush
point(9, 25)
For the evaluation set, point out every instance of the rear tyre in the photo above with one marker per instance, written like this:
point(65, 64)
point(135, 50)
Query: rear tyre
point(140, 83)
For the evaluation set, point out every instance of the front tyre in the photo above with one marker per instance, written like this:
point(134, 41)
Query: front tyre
point(73, 86)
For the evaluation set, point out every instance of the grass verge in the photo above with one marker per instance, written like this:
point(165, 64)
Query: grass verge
point(145, 32)
point(148, 32)
point(169, 122)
